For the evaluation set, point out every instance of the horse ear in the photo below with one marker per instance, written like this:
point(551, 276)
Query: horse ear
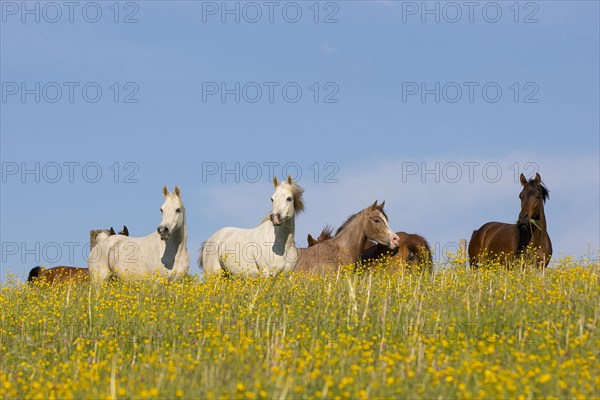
point(381, 205)
point(177, 191)
point(523, 180)
point(165, 191)
point(373, 206)
point(125, 231)
point(275, 183)
point(112, 231)
point(311, 240)
point(538, 178)
point(290, 179)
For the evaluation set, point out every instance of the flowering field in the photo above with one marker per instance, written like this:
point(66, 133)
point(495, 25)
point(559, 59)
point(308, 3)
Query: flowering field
point(466, 334)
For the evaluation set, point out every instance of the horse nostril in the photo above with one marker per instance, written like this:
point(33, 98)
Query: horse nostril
point(276, 218)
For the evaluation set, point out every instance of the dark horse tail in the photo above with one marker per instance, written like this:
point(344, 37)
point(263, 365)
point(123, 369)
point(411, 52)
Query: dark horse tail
point(34, 273)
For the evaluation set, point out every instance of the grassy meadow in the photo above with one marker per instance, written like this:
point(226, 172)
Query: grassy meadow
point(488, 333)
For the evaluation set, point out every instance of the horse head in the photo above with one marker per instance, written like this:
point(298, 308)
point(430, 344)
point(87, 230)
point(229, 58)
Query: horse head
point(376, 226)
point(286, 201)
point(173, 214)
point(533, 196)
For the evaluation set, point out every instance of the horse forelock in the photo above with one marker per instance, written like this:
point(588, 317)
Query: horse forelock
point(297, 193)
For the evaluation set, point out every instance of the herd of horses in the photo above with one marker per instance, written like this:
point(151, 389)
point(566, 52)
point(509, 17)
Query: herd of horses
point(365, 240)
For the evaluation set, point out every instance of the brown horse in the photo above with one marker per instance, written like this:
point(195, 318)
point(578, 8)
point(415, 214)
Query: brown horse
point(413, 250)
point(507, 242)
point(346, 247)
point(64, 273)
point(58, 274)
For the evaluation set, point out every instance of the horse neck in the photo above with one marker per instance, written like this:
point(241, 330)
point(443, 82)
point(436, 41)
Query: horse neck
point(178, 240)
point(540, 232)
point(284, 233)
point(542, 219)
point(352, 240)
point(535, 236)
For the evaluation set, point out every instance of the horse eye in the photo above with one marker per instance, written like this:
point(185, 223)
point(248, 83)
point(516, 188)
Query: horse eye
point(178, 210)
point(271, 199)
point(161, 211)
point(289, 199)
point(377, 220)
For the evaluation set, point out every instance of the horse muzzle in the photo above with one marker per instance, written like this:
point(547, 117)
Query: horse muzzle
point(164, 232)
point(394, 242)
point(523, 220)
point(276, 219)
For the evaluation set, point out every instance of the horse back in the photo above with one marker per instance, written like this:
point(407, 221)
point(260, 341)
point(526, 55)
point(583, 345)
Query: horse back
point(99, 254)
point(59, 274)
point(494, 239)
point(322, 259)
point(63, 274)
point(131, 255)
point(413, 249)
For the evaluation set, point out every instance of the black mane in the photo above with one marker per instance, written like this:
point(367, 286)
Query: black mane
point(543, 188)
point(345, 224)
point(327, 232)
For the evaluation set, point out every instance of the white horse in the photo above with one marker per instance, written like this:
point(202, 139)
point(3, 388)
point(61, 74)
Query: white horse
point(268, 249)
point(162, 253)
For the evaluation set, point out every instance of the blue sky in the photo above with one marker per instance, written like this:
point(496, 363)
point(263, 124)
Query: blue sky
point(508, 92)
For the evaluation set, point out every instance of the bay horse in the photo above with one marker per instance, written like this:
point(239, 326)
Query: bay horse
point(347, 246)
point(267, 249)
point(162, 253)
point(58, 275)
point(413, 250)
point(65, 273)
point(507, 242)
